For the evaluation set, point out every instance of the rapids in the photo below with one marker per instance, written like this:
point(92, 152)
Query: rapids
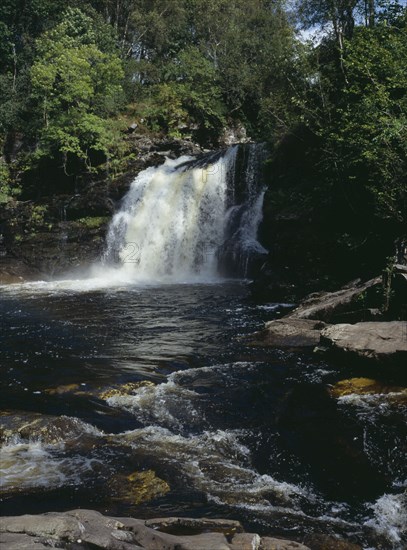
point(141, 366)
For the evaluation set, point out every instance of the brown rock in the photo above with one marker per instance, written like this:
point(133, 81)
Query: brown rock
point(363, 386)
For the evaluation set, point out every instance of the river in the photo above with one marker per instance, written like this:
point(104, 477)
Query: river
point(224, 429)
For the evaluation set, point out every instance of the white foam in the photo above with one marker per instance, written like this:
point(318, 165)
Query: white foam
point(35, 465)
point(390, 518)
point(171, 223)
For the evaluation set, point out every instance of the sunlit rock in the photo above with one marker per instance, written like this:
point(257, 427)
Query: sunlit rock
point(138, 487)
point(125, 389)
point(384, 341)
point(363, 386)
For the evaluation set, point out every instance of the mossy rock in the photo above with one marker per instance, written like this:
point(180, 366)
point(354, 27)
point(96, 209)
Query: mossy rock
point(93, 222)
point(60, 390)
point(363, 386)
point(125, 389)
point(138, 487)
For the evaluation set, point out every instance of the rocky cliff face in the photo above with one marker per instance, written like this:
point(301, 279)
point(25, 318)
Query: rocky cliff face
point(55, 233)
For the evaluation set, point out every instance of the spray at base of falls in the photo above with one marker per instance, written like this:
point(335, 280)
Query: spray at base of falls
point(186, 221)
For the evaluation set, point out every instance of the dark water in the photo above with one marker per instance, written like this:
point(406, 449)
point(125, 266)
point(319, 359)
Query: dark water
point(234, 431)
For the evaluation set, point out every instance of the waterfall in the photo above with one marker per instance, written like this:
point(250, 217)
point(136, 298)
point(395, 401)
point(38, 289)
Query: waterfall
point(179, 221)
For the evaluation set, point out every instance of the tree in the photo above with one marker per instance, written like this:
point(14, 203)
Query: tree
point(370, 132)
point(76, 85)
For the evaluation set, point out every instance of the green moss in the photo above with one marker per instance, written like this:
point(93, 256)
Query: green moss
point(93, 222)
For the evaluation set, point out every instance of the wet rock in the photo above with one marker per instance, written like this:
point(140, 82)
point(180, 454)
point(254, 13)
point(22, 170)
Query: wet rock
point(35, 426)
point(125, 389)
point(395, 286)
point(268, 543)
point(64, 388)
point(363, 386)
point(138, 487)
point(325, 542)
point(289, 332)
point(384, 342)
point(195, 526)
point(325, 306)
point(13, 270)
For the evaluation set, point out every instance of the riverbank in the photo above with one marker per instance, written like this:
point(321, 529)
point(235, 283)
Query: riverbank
point(86, 528)
point(362, 324)
point(78, 529)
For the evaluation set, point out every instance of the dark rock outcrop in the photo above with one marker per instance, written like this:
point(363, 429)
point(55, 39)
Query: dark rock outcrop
point(50, 233)
point(328, 306)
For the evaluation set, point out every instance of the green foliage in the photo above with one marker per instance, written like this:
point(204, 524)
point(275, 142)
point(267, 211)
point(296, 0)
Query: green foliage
point(190, 96)
point(92, 222)
point(6, 188)
point(71, 70)
point(370, 133)
point(75, 85)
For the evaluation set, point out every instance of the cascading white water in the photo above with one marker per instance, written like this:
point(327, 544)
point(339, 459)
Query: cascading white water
point(173, 223)
point(243, 220)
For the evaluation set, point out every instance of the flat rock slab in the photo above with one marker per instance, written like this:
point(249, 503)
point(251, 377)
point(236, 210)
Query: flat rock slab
point(87, 528)
point(325, 306)
point(378, 341)
point(289, 332)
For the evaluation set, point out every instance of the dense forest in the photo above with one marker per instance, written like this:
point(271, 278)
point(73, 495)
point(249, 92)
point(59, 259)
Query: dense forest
point(76, 75)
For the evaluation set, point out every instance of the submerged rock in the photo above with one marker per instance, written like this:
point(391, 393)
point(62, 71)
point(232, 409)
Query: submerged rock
point(289, 333)
point(363, 386)
point(138, 487)
point(48, 429)
point(195, 526)
point(384, 342)
point(313, 427)
point(124, 389)
point(90, 529)
point(268, 543)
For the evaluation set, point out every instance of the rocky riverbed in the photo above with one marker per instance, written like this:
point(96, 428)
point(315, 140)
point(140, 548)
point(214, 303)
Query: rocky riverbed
point(345, 326)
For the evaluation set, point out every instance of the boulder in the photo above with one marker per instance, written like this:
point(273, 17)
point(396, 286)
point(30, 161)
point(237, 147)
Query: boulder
point(385, 341)
point(289, 332)
point(355, 296)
